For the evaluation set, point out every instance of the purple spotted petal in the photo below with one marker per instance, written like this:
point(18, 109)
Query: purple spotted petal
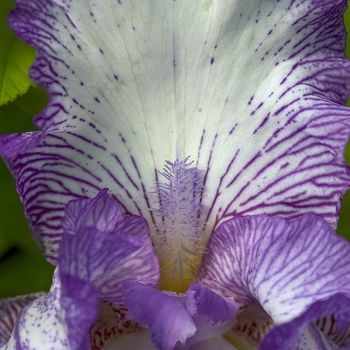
point(285, 266)
point(47, 322)
point(251, 91)
point(103, 247)
point(298, 333)
point(165, 315)
point(112, 324)
point(9, 311)
point(203, 301)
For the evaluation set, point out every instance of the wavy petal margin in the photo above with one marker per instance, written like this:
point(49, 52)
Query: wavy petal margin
point(165, 315)
point(288, 267)
point(203, 301)
point(252, 91)
point(305, 335)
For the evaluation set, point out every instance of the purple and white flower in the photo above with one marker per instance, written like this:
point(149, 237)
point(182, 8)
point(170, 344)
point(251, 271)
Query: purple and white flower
point(263, 282)
point(252, 92)
point(243, 103)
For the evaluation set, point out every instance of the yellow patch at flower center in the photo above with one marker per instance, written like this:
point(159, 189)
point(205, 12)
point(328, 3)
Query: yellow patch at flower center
point(179, 262)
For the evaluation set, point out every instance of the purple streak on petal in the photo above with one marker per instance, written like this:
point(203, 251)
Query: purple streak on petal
point(165, 315)
point(286, 336)
point(9, 311)
point(286, 266)
point(142, 266)
point(90, 254)
point(203, 301)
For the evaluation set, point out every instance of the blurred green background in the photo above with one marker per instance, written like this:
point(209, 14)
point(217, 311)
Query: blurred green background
point(23, 269)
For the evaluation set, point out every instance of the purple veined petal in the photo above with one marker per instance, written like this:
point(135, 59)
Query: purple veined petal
point(9, 311)
point(102, 246)
point(90, 254)
point(165, 315)
point(304, 335)
point(251, 91)
point(142, 266)
point(101, 212)
point(285, 266)
point(203, 301)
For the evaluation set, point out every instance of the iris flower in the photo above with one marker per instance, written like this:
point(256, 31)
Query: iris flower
point(263, 281)
point(216, 128)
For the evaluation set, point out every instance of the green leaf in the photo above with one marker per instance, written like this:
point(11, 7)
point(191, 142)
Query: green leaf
point(17, 115)
point(15, 59)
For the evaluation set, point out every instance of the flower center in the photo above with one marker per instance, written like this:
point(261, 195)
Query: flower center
point(178, 240)
point(253, 323)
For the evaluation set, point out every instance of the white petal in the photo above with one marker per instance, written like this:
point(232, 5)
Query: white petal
point(250, 90)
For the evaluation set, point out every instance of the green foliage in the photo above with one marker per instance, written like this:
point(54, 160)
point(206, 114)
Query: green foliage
point(344, 220)
point(23, 269)
point(15, 59)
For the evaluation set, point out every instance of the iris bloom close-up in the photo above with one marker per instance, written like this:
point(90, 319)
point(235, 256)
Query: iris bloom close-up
point(187, 175)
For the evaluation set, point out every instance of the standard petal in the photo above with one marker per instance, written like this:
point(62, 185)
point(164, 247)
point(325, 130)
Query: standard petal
point(165, 315)
point(90, 254)
point(251, 91)
point(285, 266)
point(102, 246)
point(100, 212)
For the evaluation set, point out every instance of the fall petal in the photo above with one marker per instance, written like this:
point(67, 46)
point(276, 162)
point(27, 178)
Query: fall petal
point(251, 91)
